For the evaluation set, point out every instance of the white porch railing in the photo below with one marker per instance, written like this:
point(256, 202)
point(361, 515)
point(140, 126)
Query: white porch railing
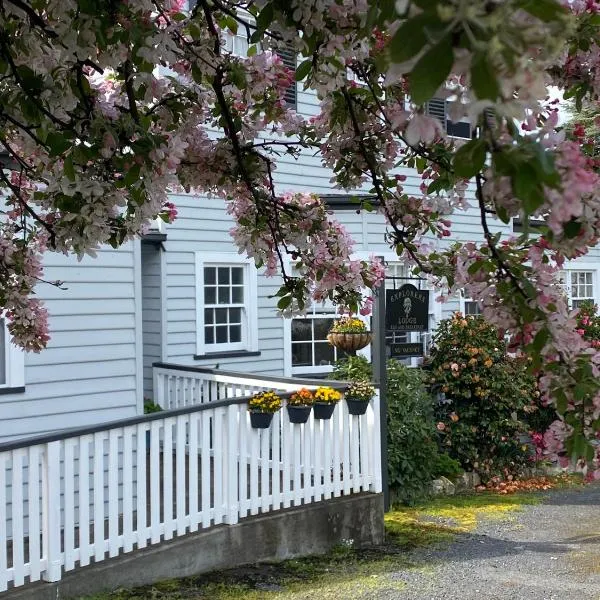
point(85, 495)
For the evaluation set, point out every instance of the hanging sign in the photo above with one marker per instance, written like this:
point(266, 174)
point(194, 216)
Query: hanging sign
point(406, 350)
point(407, 309)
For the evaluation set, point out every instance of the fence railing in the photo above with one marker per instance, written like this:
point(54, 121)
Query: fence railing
point(71, 499)
point(177, 386)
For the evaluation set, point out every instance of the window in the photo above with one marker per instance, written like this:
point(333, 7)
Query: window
point(579, 285)
point(438, 108)
point(471, 308)
point(225, 303)
point(311, 352)
point(12, 369)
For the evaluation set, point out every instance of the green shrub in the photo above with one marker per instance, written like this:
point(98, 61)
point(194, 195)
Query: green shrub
point(352, 368)
point(445, 466)
point(150, 406)
point(481, 421)
point(412, 446)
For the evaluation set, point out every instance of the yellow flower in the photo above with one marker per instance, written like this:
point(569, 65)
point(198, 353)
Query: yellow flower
point(488, 363)
point(327, 395)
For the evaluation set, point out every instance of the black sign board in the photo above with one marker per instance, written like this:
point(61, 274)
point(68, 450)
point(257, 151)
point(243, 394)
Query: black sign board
point(407, 309)
point(406, 350)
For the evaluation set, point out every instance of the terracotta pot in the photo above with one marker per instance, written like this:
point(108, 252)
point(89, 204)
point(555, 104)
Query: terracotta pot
point(350, 342)
point(260, 420)
point(298, 414)
point(357, 407)
point(324, 410)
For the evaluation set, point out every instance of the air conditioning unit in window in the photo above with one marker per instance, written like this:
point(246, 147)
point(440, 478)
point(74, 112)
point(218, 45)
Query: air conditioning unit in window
point(438, 108)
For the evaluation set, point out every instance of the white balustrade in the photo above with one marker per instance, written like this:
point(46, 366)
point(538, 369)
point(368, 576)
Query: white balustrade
point(85, 496)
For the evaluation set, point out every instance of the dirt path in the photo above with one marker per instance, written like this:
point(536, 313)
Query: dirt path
point(550, 551)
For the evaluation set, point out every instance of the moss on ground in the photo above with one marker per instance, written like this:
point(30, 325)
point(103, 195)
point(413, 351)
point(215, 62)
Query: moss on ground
point(345, 572)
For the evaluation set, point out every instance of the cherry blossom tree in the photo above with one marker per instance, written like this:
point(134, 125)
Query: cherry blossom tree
point(108, 105)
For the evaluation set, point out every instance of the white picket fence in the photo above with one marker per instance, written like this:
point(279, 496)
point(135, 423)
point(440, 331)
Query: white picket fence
point(86, 495)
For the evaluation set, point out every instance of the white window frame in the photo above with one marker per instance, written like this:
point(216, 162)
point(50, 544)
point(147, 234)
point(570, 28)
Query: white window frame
point(584, 267)
point(463, 302)
point(249, 341)
point(15, 362)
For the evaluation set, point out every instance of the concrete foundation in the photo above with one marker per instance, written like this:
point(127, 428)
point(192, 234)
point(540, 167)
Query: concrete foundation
point(311, 529)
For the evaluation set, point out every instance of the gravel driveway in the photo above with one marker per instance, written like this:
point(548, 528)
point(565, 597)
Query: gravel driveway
point(550, 551)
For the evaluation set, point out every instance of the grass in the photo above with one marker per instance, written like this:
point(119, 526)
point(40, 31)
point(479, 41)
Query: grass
point(345, 572)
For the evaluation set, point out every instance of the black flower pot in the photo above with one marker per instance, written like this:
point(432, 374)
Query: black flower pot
point(357, 407)
point(260, 420)
point(298, 414)
point(323, 410)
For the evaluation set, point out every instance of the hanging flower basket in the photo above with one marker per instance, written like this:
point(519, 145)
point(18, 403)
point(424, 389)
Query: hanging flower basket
point(325, 400)
point(323, 410)
point(350, 342)
point(357, 407)
point(260, 420)
point(298, 414)
point(262, 406)
point(358, 395)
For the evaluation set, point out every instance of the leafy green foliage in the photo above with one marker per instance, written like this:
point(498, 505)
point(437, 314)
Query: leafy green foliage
point(150, 406)
point(446, 466)
point(487, 392)
point(412, 446)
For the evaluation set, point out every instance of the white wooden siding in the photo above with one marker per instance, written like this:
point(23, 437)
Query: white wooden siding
point(151, 312)
point(88, 372)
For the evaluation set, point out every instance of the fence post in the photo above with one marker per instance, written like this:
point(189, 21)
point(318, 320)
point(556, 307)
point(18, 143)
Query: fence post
point(230, 463)
point(159, 390)
point(51, 512)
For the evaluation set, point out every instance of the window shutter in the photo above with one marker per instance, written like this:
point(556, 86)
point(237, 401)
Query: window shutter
point(436, 107)
point(288, 56)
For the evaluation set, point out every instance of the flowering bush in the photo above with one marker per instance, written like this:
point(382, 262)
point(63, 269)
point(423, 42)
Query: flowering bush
point(360, 390)
point(327, 395)
point(265, 402)
point(303, 397)
point(348, 325)
point(588, 323)
point(486, 391)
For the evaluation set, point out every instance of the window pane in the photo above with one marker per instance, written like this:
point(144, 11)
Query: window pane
point(324, 354)
point(224, 296)
point(301, 330)
point(223, 275)
point(2, 353)
point(221, 315)
point(237, 295)
point(237, 275)
point(301, 355)
point(235, 333)
point(209, 314)
point(209, 335)
point(221, 334)
point(235, 315)
point(322, 327)
point(210, 275)
point(472, 308)
point(210, 296)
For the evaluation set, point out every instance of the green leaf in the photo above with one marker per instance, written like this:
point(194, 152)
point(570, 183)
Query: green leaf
point(265, 17)
point(57, 143)
point(483, 78)
point(284, 302)
point(303, 69)
point(545, 10)
point(68, 168)
point(132, 176)
point(470, 158)
point(431, 70)
point(413, 35)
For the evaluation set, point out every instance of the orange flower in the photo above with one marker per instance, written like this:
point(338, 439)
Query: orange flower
point(488, 363)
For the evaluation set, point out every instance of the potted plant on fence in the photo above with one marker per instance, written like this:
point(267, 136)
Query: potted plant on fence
point(262, 407)
point(325, 400)
point(358, 395)
point(349, 334)
point(299, 405)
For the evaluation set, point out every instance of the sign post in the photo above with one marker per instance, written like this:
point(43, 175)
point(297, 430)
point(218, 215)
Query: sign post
point(380, 377)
